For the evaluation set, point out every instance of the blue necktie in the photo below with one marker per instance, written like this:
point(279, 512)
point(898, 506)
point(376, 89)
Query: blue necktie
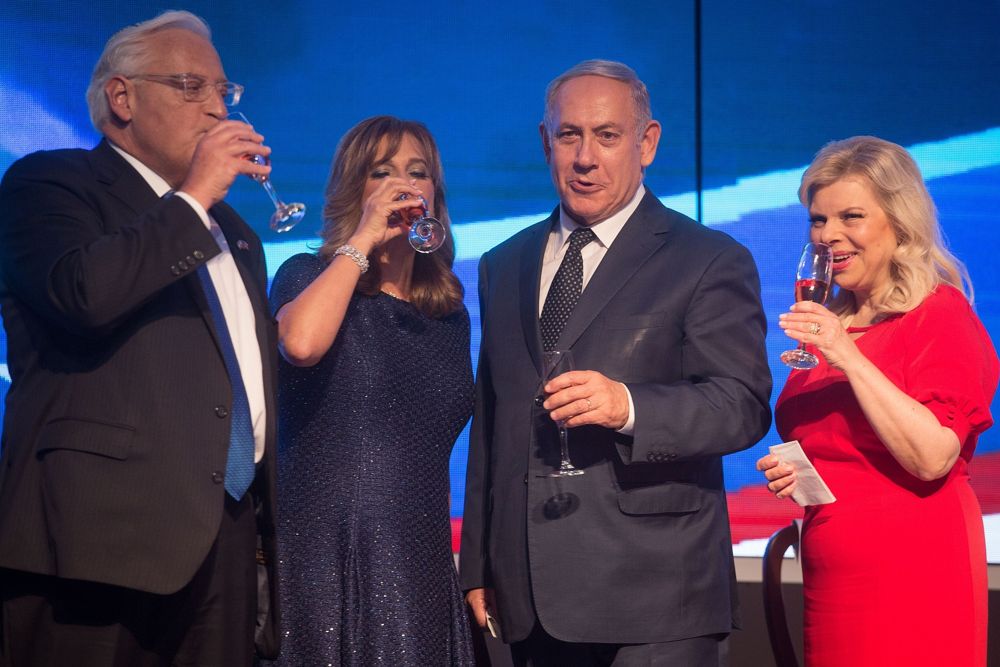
point(239, 462)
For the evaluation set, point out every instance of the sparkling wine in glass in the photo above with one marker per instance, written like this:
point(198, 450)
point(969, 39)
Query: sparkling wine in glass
point(426, 232)
point(554, 364)
point(285, 216)
point(812, 283)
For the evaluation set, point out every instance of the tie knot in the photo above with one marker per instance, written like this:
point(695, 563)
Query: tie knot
point(580, 237)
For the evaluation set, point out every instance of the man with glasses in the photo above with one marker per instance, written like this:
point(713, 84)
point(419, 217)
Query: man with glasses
point(136, 471)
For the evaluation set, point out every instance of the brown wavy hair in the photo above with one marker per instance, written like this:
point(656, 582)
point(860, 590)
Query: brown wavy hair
point(921, 260)
point(435, 290)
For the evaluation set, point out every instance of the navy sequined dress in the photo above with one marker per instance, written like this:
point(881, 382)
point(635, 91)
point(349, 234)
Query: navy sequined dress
point(365, 561)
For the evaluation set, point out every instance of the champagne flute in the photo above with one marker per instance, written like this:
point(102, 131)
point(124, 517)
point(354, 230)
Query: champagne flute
point(554, 364)
point(285, 216)
point(812, 283)
point(426, 232)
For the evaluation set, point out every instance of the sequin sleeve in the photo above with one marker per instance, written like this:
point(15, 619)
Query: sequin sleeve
point(292, 277)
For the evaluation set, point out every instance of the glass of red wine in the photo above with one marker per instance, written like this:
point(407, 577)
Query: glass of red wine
point(812, 283)
point(285, 216)
point(554, 364)
point(426, 232)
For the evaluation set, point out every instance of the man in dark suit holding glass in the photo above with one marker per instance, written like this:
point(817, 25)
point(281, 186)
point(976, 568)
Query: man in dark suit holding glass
point(631, 561)
point(136, 474)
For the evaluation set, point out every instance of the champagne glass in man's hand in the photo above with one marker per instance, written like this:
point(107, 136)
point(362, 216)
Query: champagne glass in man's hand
point(812, 283)
point(554, 364)
point(285, 216)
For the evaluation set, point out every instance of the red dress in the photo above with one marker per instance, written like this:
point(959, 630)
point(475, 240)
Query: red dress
point(894, 571)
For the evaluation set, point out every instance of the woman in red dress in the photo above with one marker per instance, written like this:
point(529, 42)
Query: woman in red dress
point(894, 570)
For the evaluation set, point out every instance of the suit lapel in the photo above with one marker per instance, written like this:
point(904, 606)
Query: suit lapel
point(246, 258)
point(642, 235)
point(242, 254)
point(227, 222)
point(531, 272)
point(123, 182)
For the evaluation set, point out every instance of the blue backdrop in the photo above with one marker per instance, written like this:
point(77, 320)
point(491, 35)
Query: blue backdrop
point(746, 92)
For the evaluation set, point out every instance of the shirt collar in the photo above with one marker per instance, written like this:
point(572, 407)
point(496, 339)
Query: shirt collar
point(607, 230)
point(155, 181)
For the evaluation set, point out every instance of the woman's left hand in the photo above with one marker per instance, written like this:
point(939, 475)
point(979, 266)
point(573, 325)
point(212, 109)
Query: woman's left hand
point(815, 325)
point(780, 476)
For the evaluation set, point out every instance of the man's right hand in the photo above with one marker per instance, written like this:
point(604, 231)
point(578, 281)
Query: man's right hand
point(481, 600)
point(221, 156)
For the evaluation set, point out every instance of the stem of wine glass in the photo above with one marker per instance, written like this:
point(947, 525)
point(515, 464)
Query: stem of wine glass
point(564, 443)
point(269, 189)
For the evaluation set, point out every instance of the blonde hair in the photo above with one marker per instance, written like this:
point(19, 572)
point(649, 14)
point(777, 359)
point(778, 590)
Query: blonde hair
point(435, 290)
point(921, 260)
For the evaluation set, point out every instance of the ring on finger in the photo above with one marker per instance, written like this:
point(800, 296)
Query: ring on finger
point(590, 406)
point(814, 328)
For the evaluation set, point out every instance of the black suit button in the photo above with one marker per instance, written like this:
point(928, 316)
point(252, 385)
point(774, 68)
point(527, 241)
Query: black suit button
point(221, 412)
point(174, 270)
point(182, 264)
point(190, 260)
point(525, 478)
point(198, 254)
point(218, 477)
point(539, 400)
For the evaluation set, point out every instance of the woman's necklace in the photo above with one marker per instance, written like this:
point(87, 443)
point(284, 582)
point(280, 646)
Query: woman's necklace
point(392, 293)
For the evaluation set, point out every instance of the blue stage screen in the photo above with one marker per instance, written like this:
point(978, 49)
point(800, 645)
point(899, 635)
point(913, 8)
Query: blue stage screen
point(746, 93)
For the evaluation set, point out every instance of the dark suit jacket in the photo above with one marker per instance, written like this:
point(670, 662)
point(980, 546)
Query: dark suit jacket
point(638, 549)
point(115, 435)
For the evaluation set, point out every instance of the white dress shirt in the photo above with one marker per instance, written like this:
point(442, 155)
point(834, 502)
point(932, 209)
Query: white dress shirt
point(606, 232)
point(240, 318)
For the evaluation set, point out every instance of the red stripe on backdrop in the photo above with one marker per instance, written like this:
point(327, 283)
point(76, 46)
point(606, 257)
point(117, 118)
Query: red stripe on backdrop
point(456, 533)
point(754, 512)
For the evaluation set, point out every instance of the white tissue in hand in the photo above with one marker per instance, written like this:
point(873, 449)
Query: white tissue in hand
point(810, 489)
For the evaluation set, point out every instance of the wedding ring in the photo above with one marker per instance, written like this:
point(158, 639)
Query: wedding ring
point(814, 328)
point(589, 405)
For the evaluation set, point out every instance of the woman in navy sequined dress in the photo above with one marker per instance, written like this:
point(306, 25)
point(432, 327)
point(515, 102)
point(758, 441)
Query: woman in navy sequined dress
point(375, 386)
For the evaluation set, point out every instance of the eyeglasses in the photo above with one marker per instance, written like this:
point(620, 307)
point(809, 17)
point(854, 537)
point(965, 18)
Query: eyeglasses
point(197, 88)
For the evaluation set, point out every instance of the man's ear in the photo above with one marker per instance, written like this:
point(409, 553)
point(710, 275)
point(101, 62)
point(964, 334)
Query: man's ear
point(119, 93)
point(648, 142)
point(546, 146)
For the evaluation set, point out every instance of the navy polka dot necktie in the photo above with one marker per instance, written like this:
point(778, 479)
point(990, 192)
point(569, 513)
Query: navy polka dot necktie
point(565, 289)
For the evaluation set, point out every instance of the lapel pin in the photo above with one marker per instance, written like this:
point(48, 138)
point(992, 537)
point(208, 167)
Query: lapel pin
point(242, 245)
